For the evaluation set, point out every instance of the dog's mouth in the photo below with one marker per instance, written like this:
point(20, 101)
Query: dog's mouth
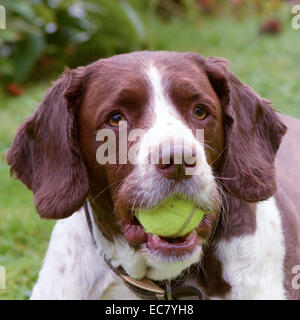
point(176, 248)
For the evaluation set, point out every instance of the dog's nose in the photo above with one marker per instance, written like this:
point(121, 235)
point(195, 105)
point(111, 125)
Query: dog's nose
point(173, 161)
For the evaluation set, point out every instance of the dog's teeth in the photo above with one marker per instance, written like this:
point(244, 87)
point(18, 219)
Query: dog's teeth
point(155, 236)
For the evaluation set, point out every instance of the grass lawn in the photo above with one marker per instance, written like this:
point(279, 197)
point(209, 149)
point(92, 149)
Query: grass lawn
point(270, 64)
point(23, 235)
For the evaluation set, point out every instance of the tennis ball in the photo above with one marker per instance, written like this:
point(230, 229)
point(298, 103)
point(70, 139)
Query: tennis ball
point(173, 217)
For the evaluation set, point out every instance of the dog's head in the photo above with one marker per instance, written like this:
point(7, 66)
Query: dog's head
point(134, 129)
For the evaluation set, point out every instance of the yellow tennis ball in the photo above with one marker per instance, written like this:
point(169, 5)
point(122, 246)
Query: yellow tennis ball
point(173, 217)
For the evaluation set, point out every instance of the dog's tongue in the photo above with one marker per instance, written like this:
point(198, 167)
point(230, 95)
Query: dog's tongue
point(177, 246)
point(134, 233)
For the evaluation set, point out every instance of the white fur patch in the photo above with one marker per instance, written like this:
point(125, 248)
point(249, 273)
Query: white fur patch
point(74, 269)
point(253, 264)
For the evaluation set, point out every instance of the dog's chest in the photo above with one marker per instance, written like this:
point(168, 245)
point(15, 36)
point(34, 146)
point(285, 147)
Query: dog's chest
point(253, 264)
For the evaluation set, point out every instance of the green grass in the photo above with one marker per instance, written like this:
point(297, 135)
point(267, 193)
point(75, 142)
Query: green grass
point(271, 65)
point(23, 235)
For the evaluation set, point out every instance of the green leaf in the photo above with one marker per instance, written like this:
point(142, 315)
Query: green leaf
point(28, 51)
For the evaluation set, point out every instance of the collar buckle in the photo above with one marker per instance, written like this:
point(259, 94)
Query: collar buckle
point(145, 286)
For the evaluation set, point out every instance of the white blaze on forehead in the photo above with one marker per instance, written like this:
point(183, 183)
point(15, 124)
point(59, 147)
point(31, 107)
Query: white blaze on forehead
point(164, 117)
point(162, 106)
point(167, 120)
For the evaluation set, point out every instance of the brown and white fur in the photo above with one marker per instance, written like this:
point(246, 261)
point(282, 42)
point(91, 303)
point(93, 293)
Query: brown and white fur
point(249, 193)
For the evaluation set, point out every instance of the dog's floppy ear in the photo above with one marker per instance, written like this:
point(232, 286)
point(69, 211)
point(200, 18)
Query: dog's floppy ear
point(253, 133)
point(45, 154)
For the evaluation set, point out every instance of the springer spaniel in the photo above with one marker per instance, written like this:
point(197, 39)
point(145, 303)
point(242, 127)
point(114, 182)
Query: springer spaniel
point(248, 244)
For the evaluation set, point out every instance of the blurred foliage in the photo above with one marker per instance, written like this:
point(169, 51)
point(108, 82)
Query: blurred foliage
point(44, 35)
point(51, 33)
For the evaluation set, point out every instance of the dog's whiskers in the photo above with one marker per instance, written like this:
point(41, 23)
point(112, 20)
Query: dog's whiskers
point(106, 188)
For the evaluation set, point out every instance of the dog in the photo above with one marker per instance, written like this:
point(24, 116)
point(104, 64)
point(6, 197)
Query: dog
point(247, 246)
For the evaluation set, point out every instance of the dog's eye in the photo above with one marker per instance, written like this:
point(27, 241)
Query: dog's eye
point(200, 112)
point(115, 119)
